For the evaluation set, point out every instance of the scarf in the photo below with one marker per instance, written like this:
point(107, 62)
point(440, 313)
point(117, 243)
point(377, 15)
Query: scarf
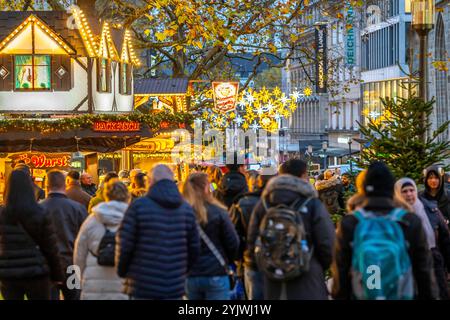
point(419, 210)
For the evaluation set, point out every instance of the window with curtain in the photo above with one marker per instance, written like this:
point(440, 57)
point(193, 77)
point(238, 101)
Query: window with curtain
point(32, 72)
point(103, 75)
point(125, 78)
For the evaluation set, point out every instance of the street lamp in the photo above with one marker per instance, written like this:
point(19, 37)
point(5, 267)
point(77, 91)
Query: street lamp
point(423, 22)
point(349, 141)
point(324, 147)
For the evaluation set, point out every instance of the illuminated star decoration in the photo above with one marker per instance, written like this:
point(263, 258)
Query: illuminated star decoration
point(307, 91)
point(256, 109)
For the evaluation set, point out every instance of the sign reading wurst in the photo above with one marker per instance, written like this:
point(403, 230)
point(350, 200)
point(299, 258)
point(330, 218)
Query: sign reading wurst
point(42, 160)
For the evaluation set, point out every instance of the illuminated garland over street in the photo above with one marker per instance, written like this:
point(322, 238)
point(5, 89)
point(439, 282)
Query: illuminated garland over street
point(153, 121)
point(255, 110)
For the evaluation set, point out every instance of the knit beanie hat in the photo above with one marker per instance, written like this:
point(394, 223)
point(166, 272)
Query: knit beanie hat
point(379, 181)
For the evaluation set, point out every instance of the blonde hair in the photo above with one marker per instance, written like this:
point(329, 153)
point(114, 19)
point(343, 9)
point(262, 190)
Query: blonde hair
point(194, 191)
point(360, 181)
point(214, 173)
point(116, 190)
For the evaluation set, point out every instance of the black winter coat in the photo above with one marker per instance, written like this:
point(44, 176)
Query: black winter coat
point(28, 246)
point(221, 232)
point(441, 254)
point(231, 186)
point(442, 197)
point(67, 216)
point(419, 253)
point(157, 244)
point(240, 214)
point(320, 229)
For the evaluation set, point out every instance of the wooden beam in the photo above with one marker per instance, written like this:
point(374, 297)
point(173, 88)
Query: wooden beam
point(80, 104)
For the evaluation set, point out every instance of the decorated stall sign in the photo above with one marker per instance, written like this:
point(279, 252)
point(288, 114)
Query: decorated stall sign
point(42, 160)
point(225, 95)
point(117, 126)
point(321, 58)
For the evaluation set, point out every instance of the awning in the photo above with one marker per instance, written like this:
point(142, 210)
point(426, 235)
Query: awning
point(70, 140)
point(156, 87)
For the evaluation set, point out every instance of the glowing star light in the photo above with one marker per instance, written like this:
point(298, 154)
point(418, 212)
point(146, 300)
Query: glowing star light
point(307, 92)
point(295, 95)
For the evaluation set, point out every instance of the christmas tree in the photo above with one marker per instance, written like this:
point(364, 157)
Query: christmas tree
point(397, 137)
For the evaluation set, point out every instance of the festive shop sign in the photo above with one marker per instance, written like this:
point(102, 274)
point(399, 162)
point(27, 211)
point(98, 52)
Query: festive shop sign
point(116, 126)
point(225, 95)
point(321, 58)
point(42, 160)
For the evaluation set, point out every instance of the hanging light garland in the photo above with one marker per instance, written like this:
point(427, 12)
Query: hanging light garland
point(255, 110)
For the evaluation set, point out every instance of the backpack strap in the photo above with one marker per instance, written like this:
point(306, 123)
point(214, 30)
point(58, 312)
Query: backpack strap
point(397, 214)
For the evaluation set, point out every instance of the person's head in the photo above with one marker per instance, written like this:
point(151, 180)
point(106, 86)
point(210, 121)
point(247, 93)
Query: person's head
point(346, 179)
point(110, 176)
point(124, 174)
point(56, 181)
point(115, 190)
point(406, 189)
point(295, 167)
point(134, 172)
point(214, 174)
point(140, 181)
point(379, 181)
point(337, 171)
point(86, 179)
point(252, 180)
point(73, 177)
point(328, 174)
point(21, 166)
point(161, 172)
point(434, 179)
point(19, 193)
point(197, 192)
point(236, 168)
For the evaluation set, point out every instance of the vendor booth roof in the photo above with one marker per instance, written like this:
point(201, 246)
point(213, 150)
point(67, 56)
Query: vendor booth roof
point(160, 86)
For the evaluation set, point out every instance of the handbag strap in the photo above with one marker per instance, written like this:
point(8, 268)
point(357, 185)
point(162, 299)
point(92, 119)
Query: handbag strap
point(212, 248)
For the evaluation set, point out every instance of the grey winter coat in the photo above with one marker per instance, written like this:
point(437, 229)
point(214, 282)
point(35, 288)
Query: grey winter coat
point(99, 282)
point(285, 189)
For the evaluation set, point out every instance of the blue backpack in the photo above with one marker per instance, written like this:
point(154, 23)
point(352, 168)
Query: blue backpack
point(381, 267)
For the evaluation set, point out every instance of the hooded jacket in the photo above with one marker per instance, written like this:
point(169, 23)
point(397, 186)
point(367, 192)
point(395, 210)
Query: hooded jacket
point(285, 189)
point(442, 197)
point(331, 194)
point(231, 186)
point(99, 282)
point(157, 244)
point(419, 253)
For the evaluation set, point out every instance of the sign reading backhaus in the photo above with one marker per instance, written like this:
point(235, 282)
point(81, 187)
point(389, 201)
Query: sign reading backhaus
point(116, 126)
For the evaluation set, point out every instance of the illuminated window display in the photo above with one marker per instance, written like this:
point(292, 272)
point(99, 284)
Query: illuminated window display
point(373, 91)
point(32, 72)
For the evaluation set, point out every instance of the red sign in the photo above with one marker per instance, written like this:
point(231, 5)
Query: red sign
point(41, 160)
point(117, 126)
point(225, 95)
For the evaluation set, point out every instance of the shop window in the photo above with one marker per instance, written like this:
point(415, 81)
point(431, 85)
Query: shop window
point(32, 72)
point(103, 75)
point(125, 79)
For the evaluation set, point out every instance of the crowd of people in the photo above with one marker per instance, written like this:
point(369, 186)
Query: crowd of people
point(147, 236)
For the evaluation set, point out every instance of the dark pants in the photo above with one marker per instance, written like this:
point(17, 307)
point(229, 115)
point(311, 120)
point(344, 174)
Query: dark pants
point(440, 274)
point(33, 289)
point(68, 294)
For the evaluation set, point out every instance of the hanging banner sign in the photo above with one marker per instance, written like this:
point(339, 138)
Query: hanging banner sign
point(321, 58)
point(116, 126)
point(350, 41)
point(225, 96)
point(42, 160)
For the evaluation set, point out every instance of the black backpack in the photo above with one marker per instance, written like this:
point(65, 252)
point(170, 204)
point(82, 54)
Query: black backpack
point(106, 249)
point(282, 250)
